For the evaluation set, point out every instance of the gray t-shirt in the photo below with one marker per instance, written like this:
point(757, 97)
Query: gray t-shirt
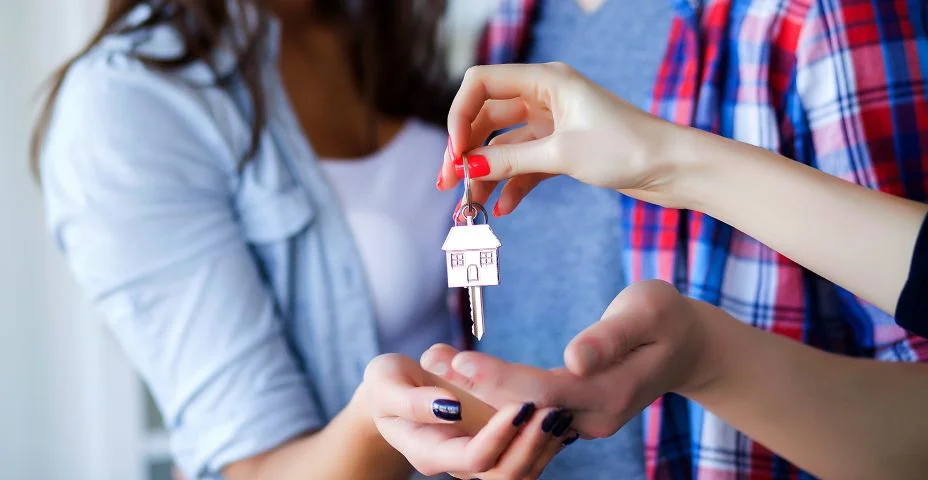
point(561, 256)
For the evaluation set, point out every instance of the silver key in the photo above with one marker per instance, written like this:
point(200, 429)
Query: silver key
point(472, 255)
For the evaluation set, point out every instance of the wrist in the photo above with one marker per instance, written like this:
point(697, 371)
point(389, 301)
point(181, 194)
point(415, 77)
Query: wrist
point(697, 159)
point(359, 416)
point(714, 353)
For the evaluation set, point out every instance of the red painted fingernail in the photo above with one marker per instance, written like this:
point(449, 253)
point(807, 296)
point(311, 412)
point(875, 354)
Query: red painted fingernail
point(451, 148)
point(479, 166)
point(496, 210)
point(438, 182)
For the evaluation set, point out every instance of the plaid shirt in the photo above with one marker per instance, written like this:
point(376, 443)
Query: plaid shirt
point(838, 85)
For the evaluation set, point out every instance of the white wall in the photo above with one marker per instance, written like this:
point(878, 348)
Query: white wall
point(56, 365)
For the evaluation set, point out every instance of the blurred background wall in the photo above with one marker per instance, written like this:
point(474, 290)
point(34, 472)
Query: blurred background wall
point(70, 406)
point(57, 407)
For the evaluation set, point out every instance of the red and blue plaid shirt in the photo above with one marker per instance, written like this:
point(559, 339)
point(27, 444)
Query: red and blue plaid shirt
point(838, 85)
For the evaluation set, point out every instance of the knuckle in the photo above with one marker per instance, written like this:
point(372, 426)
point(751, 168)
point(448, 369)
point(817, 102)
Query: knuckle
point(376, 366)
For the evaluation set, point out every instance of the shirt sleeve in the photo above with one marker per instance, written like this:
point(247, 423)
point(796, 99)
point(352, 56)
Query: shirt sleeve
point(860, 111)
point(912, 309)
point(137, 182)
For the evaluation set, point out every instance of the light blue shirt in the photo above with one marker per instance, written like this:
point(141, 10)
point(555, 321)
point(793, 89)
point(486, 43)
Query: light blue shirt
point(237, 292)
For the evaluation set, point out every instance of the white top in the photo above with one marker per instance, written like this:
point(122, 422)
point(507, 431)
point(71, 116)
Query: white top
point(399, 220)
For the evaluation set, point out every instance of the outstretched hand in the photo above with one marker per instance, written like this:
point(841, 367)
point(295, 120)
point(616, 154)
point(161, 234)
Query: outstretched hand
point(648, 342)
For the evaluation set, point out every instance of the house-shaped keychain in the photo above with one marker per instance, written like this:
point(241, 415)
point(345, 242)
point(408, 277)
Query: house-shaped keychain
point(472, 256)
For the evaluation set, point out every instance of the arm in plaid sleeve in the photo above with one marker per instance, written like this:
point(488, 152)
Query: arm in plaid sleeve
point(859, 112)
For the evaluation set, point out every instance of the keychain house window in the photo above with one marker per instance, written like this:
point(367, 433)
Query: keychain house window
point(471, 252)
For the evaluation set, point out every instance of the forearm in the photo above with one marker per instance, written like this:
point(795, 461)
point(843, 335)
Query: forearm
point(837, 417)
point(349, 447)
point(855, 237)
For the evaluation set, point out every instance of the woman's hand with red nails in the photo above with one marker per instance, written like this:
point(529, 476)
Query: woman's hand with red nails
point(441, 428)
point(563, 125)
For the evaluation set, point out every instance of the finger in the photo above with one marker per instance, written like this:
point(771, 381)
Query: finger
point(495, 115)
point(437, 361)
point(516, 135)
point(551, 449)
point(623, 327)
point(532, 442)
point(512, 193)
point(500, 161)
point(498, 382)
point(446, 175)
point(417, 404)
point(482, 451)
point(500, 82)
point(516, 188)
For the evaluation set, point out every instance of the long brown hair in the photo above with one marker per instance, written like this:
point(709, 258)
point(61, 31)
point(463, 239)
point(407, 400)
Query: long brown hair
point(394, 46)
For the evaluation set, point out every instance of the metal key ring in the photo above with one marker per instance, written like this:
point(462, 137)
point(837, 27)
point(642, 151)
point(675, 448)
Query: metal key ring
point(474, 209)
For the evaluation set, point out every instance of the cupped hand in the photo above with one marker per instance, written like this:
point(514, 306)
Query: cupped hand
point(650, 341)
point(440, 428)
point(565, 124)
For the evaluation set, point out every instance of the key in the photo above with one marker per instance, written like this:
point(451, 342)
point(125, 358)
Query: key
point(476, 311)
point(472, 255)
point(475, 294)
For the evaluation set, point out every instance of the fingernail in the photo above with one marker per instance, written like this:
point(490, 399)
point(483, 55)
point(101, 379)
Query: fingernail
point(551, 420)
point(467, 369)
point(524, 414)
point(478, 164)
point(571, 439)
point(437, 368)
point(451, 148)
point(496, 210)
point(562, 426)
point(458, 168)
point(438, 182)
point(447, 409)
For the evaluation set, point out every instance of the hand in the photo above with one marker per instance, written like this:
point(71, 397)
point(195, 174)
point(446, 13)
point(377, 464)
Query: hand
point(650, 341)
point(440, 428)
point(571, 126)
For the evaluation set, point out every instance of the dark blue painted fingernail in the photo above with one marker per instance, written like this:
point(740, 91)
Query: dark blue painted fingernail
point(561, 428)
point(524, 414)
point(551, 420)
point(447, 409)
point(571, 439)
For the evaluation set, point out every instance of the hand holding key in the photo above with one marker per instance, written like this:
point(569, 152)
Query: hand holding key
point(562, 124)
point(472, 253)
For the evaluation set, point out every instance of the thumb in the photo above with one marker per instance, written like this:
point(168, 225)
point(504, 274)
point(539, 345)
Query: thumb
point(502, 160)
point(606, 342)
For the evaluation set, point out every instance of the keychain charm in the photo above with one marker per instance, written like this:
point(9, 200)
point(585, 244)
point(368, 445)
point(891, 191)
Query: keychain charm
point(472, 254)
